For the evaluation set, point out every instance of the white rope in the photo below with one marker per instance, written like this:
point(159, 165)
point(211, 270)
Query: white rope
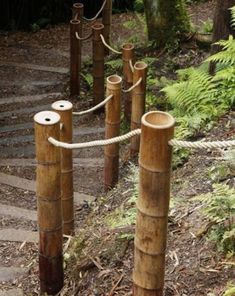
point(131, 66)
point(94, 143)
point(95, 107)
point(83, 38)
point(133, 86)
point(96, 16)
point(108, 46)
point(202, 145)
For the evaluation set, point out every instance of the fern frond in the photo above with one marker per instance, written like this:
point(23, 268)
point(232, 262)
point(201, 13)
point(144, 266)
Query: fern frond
point(233, 16)
point(115, 64)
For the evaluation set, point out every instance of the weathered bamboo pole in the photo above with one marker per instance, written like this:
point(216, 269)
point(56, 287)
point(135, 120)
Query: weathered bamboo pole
point(78, 13)
point(157, 128)
point(75, 58)
point(47, 124)
point(64, 109)
point(138, 103)
point(128, 56)
point(98, 65)
point(107, 20)
point(112, 129)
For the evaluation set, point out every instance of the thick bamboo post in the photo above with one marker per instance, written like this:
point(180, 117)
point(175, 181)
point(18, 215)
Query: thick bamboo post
point(112, 129)
point(47, 124)
point(107, 20)
point(64, 109)
point(128, 56)
point(75, 58)
point(98, 65)
point(138, 103)
point(157, 128)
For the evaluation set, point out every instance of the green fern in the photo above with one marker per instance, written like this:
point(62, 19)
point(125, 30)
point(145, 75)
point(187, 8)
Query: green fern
point(115, 64)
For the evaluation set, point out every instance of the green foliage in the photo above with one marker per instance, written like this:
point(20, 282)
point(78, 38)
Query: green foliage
point(219, 208)
point(207, 26)
point(88, 78)
point(230, 291)
point(139, 6)
point(115, 64)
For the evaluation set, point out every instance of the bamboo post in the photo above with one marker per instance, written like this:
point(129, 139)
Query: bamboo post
point(157, 128)
point(112, 129)
point(107, 20)
point(78, 13)
point(75, 58)
point(138, 103)
point(128, 57)
point(64, 109)
point(47, 124)
point(98, 65)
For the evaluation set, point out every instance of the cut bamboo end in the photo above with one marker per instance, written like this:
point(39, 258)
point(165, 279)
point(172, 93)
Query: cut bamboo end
point(78, 5)
point(75, 22)
point(157, 128)
point(62, 105)
point(47, 118)
point(113, 82)
point(128, 51)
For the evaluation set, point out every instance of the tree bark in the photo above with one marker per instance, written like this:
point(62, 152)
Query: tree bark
point(166, 19)
point(222, 26)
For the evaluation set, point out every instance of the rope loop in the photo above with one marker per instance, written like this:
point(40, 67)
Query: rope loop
point(97, 143)
point(133, 86)
point(95, 107)
point(108, 46)
point(96, 16)
point(83, 38)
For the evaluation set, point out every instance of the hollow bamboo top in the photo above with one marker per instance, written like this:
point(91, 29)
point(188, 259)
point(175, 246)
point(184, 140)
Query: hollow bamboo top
point(62, 105)
point(74, 22)
point(128, 46)
point(114, 82)
point(158, 120)
point(47, 118)
point(140, 66)
point(98, 26)
point(78, 5)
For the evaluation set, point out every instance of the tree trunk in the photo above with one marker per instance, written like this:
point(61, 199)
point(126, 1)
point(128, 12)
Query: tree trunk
point(222, 26)
point(166, 19)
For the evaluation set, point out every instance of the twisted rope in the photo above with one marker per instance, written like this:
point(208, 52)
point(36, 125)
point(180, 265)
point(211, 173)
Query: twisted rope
point(95, 107)
point(131, 66)
point(133, 86)
point(202, 145)
point(83, 38)
point(96, 16)
point(108, 46)
point(94, 143)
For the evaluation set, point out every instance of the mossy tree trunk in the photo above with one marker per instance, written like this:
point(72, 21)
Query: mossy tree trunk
point(166, 20)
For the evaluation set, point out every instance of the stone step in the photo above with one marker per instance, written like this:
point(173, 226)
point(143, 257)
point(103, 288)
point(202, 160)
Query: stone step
point(31, 162)
point(10, 140)
point(30, 185)
point(30, 110)
point(33, 98)
point(58, 70)
point(16, 212)
point(11, 292)
point(18, 235)
point(10, 274)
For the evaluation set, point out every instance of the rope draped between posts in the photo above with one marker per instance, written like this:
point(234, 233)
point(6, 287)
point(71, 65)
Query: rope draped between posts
point(83, 38)
point(136, 132)
point(131, 66)
point(108, 46)
point(94, 143)
point(101, 104)
point(202, 145)
point(133, 86)
point(97, 14)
